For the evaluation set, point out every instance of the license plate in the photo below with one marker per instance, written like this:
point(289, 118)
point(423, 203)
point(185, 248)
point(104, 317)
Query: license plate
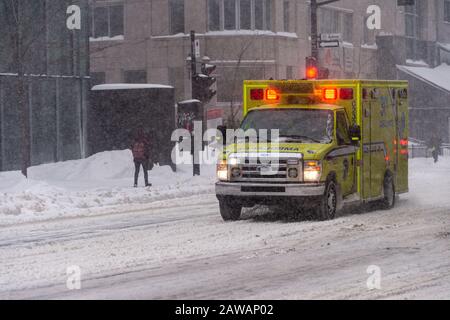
point(268, 171)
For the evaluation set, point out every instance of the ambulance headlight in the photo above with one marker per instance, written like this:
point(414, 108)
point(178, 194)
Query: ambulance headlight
point(222, 170)
point(312, 171)
point(233, 161)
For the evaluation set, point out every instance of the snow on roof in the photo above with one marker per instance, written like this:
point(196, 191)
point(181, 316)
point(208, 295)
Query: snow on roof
point(438, 77)
point(189, 101)
point(127, 86)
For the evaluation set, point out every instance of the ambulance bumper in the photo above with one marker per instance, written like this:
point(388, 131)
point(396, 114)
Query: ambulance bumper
point(268, 190)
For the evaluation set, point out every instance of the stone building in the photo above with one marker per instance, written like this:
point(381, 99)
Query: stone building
point(148, 40)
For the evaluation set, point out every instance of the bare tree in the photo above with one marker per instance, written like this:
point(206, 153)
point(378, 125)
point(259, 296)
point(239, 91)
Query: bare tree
point(234, 78)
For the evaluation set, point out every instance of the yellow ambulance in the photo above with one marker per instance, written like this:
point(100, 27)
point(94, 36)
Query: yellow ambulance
point(337, 142)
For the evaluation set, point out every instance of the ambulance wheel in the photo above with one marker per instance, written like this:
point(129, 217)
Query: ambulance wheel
point(230, 210)
point(389, 196)
point(327, 207)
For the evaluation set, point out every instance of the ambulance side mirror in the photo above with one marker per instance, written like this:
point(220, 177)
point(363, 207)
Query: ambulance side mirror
point(355, 133)
point(223, 132)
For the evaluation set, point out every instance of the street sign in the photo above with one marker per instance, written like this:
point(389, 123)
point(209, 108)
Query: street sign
point(197, 48)
point(331, 37)
point(329, 44)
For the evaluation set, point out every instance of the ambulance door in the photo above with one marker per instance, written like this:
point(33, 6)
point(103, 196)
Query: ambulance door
point(374, 147)
point(402, 138)
point(366, 140)
point(381, 139)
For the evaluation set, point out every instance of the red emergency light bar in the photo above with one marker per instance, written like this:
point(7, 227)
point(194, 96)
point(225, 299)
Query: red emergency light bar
point(267, 94)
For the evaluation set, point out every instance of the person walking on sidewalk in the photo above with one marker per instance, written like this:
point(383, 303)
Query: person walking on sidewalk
point(141, 154)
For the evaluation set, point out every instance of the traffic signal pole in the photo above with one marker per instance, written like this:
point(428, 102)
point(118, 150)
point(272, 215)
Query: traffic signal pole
point(314, 31)
point(195, 166)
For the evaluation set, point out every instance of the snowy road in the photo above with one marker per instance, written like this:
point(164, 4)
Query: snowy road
point(181, 249)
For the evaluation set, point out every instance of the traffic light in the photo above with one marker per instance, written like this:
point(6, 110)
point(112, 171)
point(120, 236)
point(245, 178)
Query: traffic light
point(312, 71)
point(201, 83)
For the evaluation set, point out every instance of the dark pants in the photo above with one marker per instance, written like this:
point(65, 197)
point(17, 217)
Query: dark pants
point(137, 166)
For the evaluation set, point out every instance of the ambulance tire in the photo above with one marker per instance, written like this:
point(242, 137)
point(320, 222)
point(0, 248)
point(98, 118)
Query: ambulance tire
point(389, 195)
point(230, 210)
point(327, 208)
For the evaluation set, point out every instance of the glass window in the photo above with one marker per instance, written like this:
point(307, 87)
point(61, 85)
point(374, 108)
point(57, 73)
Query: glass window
point(176, 11)
point(342, 134)
point(447, 11)
point(213, 15)
point(101, 28)
point(329, 21)
point(268, 15)
point(259, 14)
point(304, 125)
point(108, 21)
point(245, 14)
point(239, 14)
point(410, 26)
point(286, 16)
point(348, 27)
point(229, 7)
point(116, 20)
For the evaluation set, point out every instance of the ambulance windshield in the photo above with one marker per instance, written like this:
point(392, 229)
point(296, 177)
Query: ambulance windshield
point(294, 125)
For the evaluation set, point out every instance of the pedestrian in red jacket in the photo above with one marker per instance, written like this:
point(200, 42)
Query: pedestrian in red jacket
point(141, 155)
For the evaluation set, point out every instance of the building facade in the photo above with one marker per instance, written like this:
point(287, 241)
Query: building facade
point(50, 63)
point(148, 40)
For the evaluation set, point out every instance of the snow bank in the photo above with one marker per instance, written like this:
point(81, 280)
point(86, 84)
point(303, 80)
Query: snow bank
point(91, 186)
point(129, 86)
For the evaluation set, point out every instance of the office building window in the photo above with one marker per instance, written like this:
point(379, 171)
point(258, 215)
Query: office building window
point(135, 76)
point(411, 20)
point(107, 21)
point(446, 10)
point(214, 15)
point(229, 7)
point(347, 33)
point(245, 14)
point(239, 15)
point(176, 16)
point(336, 21)
point(286, 14)
point(329, 21)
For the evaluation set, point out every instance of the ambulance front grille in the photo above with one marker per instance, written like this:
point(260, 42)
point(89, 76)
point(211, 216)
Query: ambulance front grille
point(253, 170)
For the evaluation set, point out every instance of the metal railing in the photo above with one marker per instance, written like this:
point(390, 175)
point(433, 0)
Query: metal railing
point(423, 151)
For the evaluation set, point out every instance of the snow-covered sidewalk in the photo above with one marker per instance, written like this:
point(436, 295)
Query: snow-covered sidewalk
point(101, 183)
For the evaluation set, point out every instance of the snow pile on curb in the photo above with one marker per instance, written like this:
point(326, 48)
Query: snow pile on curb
point(91, 186)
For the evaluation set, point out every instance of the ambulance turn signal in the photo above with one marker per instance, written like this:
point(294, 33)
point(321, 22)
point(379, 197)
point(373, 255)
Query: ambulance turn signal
point(330, 94)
